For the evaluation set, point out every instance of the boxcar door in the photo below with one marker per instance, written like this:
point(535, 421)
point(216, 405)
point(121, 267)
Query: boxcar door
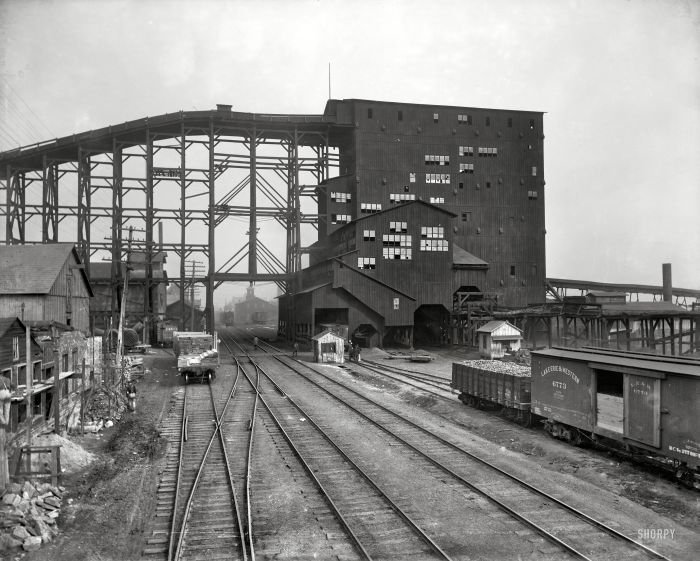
point(642, 409)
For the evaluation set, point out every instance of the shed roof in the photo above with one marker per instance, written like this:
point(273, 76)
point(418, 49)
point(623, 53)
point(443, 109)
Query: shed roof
point(463, 259)
point(496, 325)
point(321, 335)
point(32, 269)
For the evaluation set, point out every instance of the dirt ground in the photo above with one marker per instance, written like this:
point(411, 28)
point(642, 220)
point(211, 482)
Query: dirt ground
point(111, 501)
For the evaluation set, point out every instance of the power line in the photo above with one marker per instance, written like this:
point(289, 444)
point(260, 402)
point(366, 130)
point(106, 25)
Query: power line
point(51, 133)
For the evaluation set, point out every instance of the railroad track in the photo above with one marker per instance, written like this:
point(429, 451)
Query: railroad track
point(576, 533)
point(377, 526)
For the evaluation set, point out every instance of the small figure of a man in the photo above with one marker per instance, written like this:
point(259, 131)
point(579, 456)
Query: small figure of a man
point(295, 352)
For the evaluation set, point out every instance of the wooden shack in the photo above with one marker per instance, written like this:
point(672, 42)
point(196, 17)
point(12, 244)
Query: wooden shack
point(328, 347)
point(497, 337)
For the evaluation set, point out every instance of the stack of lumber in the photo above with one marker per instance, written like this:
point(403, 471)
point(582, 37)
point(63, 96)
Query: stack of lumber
point(191, 342)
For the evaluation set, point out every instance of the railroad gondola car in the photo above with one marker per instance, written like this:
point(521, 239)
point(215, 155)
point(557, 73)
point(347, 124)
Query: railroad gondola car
point(197, 355)
point(646, 405)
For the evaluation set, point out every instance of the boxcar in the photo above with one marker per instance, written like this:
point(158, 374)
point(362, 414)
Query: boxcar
point(647, 403)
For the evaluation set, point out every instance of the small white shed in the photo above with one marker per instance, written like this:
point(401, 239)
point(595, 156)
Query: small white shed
point(328, 347)
point(497, 337)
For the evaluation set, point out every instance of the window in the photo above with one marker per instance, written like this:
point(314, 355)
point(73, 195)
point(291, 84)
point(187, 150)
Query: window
point(532, 124)
point(436, 160)
point(432, 232)
point(366, 263)
point(466, 168)
point(534, 171)
point(400, 115)
point(74, 360)
point(437, 200)
point(15, 348)
point(398, 197)
point(369, 235)
point(488, 152)
point(466, 150)
point(466, 216)
point(369, 208)
point(532, 195)
point(398, 227)
point(464, 119)
point(412, 177)
point(370, 113)
point(488, 121)
point(400, 253)
point(328, 347)
point(397, 240)
point(64, 363)
point(340, 218)
point(488, 185)
point(435, 117)
point(512, 270)
point(461, 185)
point(437, 178)
point(341, 197)
point(510, 122)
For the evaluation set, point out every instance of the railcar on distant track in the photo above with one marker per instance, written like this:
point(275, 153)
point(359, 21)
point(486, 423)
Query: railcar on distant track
point(197, 355)
point(646, 405)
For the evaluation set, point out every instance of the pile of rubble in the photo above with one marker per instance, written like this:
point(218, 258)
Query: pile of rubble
point(517, 370)
point(28, 515)
point(104, 404)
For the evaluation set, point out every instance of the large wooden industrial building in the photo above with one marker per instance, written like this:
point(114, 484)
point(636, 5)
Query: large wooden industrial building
point(431, 201)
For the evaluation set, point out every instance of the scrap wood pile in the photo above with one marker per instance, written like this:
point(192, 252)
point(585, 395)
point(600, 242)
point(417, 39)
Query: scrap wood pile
point(103, 405)
point(28, 515)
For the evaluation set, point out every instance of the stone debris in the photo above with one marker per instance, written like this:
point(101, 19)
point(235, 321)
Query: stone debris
point(28, 515)
point(517, 370)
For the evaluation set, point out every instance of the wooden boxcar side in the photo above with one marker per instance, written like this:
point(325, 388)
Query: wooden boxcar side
point(680, 418)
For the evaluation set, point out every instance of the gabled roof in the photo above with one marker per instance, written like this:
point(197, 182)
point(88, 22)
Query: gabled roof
point(6, 323)
point(324, 333)
point(32, 269)
point(462, 259)
point(492, 326)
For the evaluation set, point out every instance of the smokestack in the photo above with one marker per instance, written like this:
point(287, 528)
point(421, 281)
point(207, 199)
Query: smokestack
point(668, 285)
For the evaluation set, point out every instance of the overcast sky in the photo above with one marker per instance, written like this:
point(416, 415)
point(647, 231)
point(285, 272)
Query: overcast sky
point(619, 82)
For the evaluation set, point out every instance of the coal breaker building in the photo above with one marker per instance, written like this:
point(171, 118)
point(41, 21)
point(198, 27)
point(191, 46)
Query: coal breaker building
point(430, 202)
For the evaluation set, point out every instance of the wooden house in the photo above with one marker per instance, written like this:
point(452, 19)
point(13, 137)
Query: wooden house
point(328, 347)
point(44, 283)
point(497, 337)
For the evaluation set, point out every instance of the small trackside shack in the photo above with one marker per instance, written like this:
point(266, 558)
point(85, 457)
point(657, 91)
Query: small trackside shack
point(197, 355)
point(328, 347)
point(497, 337)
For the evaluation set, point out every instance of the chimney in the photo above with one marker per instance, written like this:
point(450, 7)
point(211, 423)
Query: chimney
point(668, 285)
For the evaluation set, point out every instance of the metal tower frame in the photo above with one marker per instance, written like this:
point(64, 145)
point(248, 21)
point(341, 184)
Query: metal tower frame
point(184, 159)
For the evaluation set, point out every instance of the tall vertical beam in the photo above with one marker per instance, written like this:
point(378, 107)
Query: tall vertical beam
point(117, 206)
point(209, 312)
point(253, 229)
point(148, 317)
point(15, 214)
point(49, 214)
point(183, 217)
point(84, 205)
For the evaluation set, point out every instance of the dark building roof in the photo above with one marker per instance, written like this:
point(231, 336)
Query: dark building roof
point(32, 269)
point(6, 323)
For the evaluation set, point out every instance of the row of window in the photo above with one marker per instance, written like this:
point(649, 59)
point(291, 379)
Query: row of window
point(466, 168)
point(434, 245)
point(398, 226)
point(466, 150)
point(397, 253)
point(462, 119)
point(340, 218)
point(436, 160)
point(397, 197)
point(432, 232)
point(397, 240)
point(437, 200)
point(341, 197)
point(369, 208)
point(486, 152)
point(437, 178)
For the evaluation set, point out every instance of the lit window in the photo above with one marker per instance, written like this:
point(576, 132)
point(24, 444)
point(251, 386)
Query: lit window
point(534, 171)
point(15, 348)
point(369, 235)
point(437, 200)
point(433, 232)
point(412, 177)
point(466, 168)
point(464, 119)
point(486, 152)
point(434, 245)
point(398, 226)
point(401, 253)
point(532, 195)
point(435, 117)
point(399, 197)
point(436, 160)
point(366, 263)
